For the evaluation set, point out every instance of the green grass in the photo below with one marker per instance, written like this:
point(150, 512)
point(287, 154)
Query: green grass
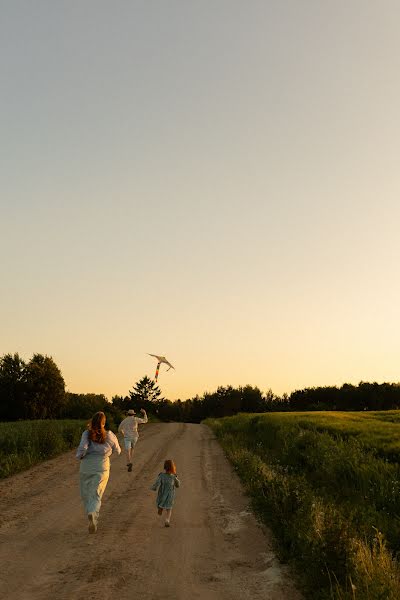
point(329, 486)
point(25, 443)
point(379, 431)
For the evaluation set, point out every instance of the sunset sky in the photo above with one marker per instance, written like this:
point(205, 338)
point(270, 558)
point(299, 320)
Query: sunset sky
point(215, 181)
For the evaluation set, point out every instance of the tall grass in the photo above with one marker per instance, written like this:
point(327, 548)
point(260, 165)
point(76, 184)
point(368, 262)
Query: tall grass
point(25, 443)
point(378, 431)
point(332, 500)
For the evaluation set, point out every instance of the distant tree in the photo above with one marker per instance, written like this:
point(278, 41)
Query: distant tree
point(45, 388)
point(228, 401)
point(145, 394)
point(12, 388)
point(281, 403)
point(83, 406)
point(274, 403)
point(365, 396)
point(252, 400)
point(121, 403)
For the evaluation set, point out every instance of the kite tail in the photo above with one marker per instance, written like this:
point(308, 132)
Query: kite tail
point(157, 369)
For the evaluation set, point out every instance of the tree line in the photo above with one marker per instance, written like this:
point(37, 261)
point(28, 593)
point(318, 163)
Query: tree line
point(36, 390)
point(225, 401)
point(228, 401)
point(364, 396)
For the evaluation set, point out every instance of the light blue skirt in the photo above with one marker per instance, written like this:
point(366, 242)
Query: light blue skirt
point(94, 473)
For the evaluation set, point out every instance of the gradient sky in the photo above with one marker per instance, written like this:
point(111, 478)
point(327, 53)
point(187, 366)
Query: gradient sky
point(215, 181)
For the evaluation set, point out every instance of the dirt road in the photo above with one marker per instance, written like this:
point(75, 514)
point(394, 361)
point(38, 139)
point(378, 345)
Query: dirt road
point(214, 549)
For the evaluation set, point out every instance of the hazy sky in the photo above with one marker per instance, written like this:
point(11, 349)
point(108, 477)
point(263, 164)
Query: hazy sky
point(216, 181)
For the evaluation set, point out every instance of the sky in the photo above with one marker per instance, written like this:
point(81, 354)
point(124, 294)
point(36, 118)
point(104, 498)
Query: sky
point(217, 182)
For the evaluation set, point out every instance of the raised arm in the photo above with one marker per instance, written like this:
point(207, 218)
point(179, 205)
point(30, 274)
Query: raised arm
point(83, 445)
point(143, 419)
point(177, 483)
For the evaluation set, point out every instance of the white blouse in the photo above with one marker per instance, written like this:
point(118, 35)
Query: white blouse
point(87, 446)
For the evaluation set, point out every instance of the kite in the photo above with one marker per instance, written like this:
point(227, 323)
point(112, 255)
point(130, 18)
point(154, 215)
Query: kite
point(161, 359)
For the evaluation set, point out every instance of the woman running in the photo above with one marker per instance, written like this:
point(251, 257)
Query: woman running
point(94, 452)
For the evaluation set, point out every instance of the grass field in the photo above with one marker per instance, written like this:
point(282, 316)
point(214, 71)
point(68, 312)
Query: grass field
point(25, 443)
point(378, 431)
point(329, 486)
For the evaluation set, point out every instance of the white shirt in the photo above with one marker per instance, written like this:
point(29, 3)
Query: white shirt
point(87, 446)
point(129, 426)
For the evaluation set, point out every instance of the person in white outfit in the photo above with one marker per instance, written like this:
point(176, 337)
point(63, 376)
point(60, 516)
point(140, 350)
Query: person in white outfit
point(94, 451)
point(129, 429)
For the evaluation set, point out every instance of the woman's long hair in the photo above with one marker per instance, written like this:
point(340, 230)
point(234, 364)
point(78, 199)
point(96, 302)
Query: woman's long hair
point(169, 467)
point(97, 433)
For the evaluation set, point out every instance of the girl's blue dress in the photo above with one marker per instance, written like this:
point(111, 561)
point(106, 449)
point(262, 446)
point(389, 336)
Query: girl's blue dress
point(166, 484)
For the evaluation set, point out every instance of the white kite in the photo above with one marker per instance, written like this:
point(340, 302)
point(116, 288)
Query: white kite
point(161, 359)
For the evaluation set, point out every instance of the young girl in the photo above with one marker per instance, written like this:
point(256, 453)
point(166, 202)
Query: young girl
point(166, 483)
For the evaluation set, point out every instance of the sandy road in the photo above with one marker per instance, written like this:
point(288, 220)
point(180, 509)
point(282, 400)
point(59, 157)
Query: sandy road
point(214, 549)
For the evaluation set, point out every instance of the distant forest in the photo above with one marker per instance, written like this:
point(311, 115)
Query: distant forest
point(36, 390)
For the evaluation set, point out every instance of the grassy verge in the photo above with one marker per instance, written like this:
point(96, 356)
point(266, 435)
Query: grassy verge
point(25, 443)
point(332, 500)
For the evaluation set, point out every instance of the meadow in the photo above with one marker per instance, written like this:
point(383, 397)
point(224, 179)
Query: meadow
point(328, 484)
point(25, 443)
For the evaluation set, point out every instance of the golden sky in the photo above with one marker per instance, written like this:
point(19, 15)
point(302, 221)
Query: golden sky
point(215, 182)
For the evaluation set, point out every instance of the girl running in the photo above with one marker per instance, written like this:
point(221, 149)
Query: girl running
point(166, 483)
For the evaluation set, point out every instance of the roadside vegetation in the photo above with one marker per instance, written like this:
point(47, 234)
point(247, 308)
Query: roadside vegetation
point(25, 443)
point(328, 484)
